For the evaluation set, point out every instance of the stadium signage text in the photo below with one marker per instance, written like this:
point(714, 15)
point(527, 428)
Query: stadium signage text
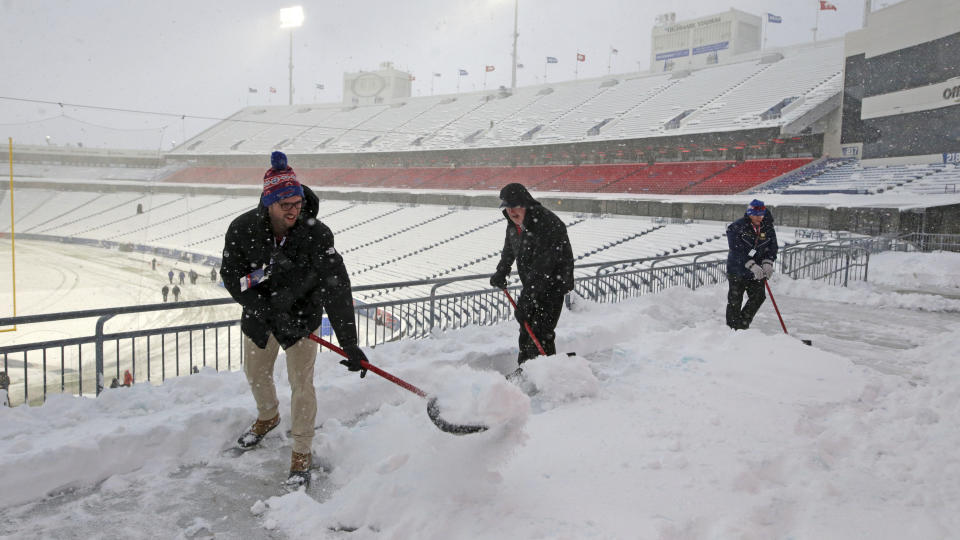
point(952, 157)
point(952, 93)
point(690, 25)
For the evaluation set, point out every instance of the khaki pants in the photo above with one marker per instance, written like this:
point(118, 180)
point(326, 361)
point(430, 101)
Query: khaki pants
point(258, 365)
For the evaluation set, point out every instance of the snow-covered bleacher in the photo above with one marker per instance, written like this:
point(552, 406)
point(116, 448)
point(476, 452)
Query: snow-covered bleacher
point(853, 177)
point(380, 242)
point(755, 91)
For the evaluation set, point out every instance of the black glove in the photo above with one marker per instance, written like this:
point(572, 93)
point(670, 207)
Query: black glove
point(525, 308)
point(498, 280)
point(354, 358)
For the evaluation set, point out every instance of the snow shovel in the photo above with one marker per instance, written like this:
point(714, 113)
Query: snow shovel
point(433, 411)
point(770, 293)
point(536, 341)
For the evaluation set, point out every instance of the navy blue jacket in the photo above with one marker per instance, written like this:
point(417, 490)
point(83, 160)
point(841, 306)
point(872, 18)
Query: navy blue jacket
point(742, 238)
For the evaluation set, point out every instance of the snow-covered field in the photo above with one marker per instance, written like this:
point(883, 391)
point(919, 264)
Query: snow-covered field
point(665, 424)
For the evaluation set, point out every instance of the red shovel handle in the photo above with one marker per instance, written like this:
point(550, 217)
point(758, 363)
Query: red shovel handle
point(770, 294)
point(370, 367)
point(527, 326)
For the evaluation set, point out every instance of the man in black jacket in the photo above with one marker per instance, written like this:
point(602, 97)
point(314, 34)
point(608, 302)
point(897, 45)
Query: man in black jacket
point(537, 240)
point(280, 264)
point(753, 248)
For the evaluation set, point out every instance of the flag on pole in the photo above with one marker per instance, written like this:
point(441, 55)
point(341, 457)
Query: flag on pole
point(489, 69)
point(412, 78)
point(252, 90)
point(551, 60)
point(463, 72)
point(581, 57)
point(319, 86)
point(824, 6)
point(613, 51)
point(776, 19)
point(436, 74)
point(273, 90)
point(519, 66)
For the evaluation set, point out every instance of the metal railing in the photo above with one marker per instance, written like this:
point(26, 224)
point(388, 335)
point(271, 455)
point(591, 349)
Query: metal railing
point(80, 365)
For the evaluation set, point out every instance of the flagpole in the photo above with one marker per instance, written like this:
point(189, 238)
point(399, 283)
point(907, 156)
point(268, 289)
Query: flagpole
point(816, 25)
point(763, 31)
point(576, 65)
point(545, 71)
point(609, 57)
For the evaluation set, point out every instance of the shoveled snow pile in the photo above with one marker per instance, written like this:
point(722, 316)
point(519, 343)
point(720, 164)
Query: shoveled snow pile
point(665, 424)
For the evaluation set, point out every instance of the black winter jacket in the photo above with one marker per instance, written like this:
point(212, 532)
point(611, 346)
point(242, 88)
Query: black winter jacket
point(742, 238)
point(543, 254)
point(306, 276)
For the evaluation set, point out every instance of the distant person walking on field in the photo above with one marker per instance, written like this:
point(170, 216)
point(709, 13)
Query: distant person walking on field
point(176, 293)
point(165, 291)
point(213, 275)
point(753, 248)
point(537, 240)
point(4, 388)
point(280, 264)
point(182, 276)
point(170, 276)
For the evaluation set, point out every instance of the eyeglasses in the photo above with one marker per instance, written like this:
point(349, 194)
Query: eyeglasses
point(290, 205)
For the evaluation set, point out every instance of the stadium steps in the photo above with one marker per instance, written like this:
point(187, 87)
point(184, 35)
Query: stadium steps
point(454, 120)
point(134, 216)
point(58, 215)
point(228, 215)
point(700, 108)
point(368, 220)
point(427, 247)
point(96, 212)
point(168, 220)
point(574, 108)
point(397, 232)
point(609, 245)
point(355, 127)
point(638, 104)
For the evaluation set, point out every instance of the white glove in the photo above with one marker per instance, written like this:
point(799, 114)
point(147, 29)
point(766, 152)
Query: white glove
point(755, 268)
point(767, 268)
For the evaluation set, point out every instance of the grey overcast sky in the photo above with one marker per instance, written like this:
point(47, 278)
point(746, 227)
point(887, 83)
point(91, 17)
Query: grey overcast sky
point(199, 57)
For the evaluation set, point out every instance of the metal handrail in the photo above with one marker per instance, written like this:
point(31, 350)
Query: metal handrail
point(835, 261)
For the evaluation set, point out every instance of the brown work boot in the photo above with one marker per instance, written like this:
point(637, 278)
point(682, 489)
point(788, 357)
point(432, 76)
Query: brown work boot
point(257, 431)
point(299, 470)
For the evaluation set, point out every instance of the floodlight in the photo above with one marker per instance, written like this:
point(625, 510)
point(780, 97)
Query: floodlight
point(291, 17)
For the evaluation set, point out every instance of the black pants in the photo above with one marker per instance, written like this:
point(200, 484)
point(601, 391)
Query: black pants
point(543, 322)
point(740, 318)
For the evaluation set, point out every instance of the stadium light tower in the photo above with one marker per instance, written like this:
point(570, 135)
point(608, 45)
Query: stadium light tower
point(291, 17)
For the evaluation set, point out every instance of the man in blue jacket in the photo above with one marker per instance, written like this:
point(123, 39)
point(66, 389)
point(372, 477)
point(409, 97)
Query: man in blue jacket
point(753, 248)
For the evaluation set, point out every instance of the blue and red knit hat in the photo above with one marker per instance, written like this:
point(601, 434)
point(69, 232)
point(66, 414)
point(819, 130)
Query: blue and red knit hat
point(279, 182)
point(756, 208)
